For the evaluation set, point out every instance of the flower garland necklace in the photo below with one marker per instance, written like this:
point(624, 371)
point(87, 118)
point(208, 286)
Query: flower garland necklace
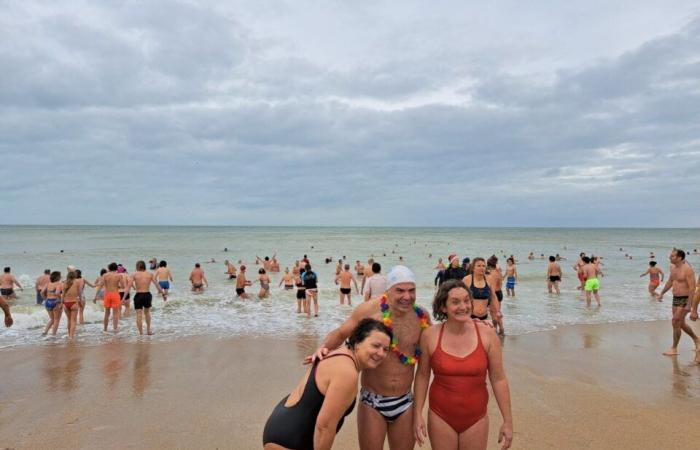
point(394, 346)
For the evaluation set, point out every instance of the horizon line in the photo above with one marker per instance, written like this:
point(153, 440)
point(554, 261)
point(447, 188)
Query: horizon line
point(609, 227)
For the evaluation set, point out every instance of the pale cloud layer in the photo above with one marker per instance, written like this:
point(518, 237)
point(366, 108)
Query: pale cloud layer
point(350, 113)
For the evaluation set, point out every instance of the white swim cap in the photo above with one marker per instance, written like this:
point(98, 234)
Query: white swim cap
point(399, 274)
point(71, 268)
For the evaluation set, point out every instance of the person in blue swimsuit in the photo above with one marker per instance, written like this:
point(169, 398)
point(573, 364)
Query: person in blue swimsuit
point(312, 414)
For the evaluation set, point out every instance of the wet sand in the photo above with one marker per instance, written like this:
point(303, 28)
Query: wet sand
point(592, 387)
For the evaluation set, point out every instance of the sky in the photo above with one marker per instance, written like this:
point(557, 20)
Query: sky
point(363, 113)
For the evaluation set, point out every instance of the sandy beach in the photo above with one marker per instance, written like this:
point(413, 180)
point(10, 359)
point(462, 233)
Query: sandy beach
point(593, 387)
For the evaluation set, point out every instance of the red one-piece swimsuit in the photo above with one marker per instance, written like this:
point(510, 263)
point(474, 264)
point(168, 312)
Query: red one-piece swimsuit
point(458, 393)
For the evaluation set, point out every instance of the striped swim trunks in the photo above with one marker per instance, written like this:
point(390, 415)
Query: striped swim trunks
point(389, 407)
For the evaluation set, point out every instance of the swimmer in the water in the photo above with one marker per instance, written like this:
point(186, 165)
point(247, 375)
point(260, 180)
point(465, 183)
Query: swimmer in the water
point(198, 279)
point(344, 278)
point(264, 280)
point(656, 277)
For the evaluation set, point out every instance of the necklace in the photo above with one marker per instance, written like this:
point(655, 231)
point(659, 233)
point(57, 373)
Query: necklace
point(386, 318)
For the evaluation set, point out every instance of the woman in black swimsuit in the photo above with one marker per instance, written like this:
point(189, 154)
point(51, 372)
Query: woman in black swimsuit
point(483, 297)
point(313, 413)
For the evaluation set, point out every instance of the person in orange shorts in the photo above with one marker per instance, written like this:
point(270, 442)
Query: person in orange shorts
point(113, 281)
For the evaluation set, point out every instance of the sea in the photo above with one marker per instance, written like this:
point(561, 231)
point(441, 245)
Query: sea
point(217, 312)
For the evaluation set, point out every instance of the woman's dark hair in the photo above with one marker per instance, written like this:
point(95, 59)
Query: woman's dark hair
point(364, 328)
point(440, 299)
point(55, 276)
point(163, 264)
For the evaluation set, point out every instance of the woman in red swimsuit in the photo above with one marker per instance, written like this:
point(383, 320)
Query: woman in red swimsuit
point(70, 297)
point(460, 352)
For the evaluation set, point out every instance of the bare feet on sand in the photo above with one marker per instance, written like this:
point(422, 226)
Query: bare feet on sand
point(671, 352)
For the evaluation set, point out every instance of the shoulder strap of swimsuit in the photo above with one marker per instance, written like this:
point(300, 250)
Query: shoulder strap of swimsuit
point(313, 370)
point(439, 342)
point(478, 337)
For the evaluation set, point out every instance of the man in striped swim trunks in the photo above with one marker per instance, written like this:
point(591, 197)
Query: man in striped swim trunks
point(386, 398)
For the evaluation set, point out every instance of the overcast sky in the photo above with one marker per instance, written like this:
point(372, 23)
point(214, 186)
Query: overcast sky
point(444, 113)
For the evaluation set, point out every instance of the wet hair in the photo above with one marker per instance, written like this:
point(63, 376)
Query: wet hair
point(680, 253)
point(112, 267)
point(376, 267)
point(440, 299)
point(652, 263)
point(162, 263)
point(267, 258)
point(140, 266)
point(552, 258)
point(47, 271)
point(347, 266)
point(78, 273)
point(472, 266)
point(55, 276)
point(491, 262)
point(70, 278)
point(7, 270)
point(364, 329)
point(511, 259)
point(586, 259)
point(197, 265)
point(103, 271)
point(261, 271)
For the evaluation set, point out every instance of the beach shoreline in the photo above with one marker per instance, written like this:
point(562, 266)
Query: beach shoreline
point(580, 386)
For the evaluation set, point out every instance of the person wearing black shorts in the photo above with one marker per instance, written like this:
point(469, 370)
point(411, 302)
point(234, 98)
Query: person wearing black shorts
point(241, 283)
point(141, 281)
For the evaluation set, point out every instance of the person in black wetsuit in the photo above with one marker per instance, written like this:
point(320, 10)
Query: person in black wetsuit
point(455, 271)
point(305, 419)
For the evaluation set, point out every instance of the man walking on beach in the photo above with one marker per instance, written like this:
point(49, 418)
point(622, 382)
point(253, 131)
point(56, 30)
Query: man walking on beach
point(386, 405)
point(113, 282)
point(553, 275)
point(7, 284)
point(682, 281)
point(143, 299)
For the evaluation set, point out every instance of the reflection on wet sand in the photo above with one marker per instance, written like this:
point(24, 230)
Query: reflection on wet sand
point(590, 340)
point(62, 367)
point(113, 365)
point(142, 369)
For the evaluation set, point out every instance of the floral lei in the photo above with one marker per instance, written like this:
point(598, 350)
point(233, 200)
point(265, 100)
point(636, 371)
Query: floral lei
point(386, 318)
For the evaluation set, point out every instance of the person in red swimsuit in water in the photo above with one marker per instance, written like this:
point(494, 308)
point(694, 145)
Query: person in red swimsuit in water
point(460, 352)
